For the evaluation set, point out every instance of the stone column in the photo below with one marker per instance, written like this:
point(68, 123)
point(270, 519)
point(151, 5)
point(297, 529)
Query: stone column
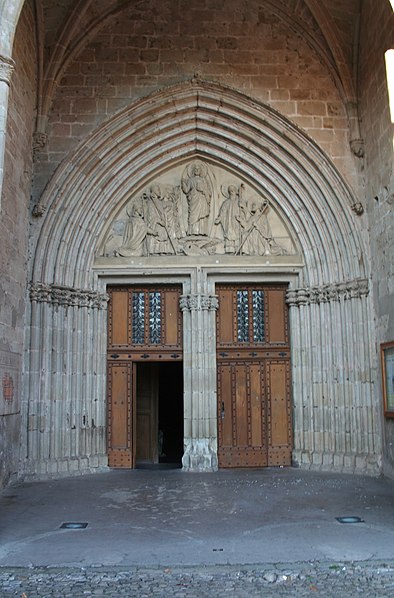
point(335, 424)
point(200, 435)
point(6, 69)
point(64, 413)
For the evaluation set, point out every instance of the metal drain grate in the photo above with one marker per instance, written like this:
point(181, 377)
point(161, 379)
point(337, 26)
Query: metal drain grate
point(73, 525)
point(349, 519)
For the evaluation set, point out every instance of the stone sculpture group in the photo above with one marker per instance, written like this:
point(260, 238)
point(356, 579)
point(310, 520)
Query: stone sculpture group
point(193, 217)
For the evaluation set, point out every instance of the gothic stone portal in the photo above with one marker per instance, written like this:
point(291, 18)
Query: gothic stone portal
point(236, 407)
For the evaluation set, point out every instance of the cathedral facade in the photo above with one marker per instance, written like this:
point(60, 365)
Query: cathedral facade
point(197, 236)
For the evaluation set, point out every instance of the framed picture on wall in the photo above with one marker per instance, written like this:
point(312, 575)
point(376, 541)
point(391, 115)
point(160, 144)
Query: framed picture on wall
point(387, 360)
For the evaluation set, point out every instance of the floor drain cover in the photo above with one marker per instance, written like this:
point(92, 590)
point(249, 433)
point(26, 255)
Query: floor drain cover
point(73, 525)
point(351, 519)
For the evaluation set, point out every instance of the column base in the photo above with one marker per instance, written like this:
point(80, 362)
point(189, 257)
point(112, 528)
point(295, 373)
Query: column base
point(362, 464)
point(200, 455)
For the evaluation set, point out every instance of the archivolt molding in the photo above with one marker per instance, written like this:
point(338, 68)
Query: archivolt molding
point(9, 16)
point(209, 122)
point(354, 289)
point(68, 297)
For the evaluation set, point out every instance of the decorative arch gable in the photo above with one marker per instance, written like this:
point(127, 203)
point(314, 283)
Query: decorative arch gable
point(175, 126)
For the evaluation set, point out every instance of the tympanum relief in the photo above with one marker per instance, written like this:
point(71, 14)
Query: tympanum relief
point(195, 210)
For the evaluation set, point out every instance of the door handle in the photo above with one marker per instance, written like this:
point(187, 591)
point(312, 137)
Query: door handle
point(222, 412)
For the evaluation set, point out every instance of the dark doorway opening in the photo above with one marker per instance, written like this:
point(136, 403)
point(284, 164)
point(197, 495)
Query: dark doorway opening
point(159, 429)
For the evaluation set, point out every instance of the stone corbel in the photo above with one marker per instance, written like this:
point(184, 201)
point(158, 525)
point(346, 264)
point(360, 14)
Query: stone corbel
point(39, 142)
point(7, 67)
point(356, 141)
point(38, 210)
point(358, 208)
point(357, 147)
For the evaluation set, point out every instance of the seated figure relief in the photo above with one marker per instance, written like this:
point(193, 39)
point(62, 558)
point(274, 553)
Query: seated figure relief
point(198, 213)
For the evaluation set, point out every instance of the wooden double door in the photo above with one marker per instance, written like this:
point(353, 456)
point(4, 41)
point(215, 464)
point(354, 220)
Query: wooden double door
point(145, 375)
point(253, 379)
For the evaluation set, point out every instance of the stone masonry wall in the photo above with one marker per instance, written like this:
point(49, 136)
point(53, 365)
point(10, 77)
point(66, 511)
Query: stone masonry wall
point(13, 235)
point(377, 36)
point(155, 44)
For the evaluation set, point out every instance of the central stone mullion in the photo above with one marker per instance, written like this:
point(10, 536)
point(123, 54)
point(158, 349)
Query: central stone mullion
point(200, 382)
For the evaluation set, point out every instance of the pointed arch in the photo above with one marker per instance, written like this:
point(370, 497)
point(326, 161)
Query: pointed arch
point(216, 123)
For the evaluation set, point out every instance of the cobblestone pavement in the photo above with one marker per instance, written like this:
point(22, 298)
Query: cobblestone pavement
point(371, 579)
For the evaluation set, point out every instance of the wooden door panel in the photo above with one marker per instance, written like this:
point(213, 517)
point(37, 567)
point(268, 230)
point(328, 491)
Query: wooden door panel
point(279, 414)
point(241, 406)
point(276, 316)
point(226, 316)
point(254, 417)
point(172, 321)
point(240, 415)
point(120, 453)
point(256, 407)
point(119, 328)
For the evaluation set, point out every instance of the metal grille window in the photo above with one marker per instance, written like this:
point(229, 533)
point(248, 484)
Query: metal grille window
point(258, 316)
point(138, 319)
point(242, 317)
point(155, 318)
point(250, 316)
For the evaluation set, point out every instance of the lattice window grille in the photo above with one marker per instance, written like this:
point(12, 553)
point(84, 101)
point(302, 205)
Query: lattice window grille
point(138, 319)
point(155, 318)
point(242, 317)
point(258, 316)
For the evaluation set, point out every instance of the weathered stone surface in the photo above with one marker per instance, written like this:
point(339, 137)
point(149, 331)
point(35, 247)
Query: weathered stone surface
point(101, 107)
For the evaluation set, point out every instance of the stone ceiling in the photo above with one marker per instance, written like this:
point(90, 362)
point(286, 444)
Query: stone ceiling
point(68, 23)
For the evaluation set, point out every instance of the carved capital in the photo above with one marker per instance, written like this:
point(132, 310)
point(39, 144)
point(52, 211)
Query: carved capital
point(7, 67)
point(353, 289)
point(198, 302)
point(67, 296)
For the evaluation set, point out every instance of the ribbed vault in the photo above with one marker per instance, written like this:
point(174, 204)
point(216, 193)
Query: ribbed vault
point(217, 124)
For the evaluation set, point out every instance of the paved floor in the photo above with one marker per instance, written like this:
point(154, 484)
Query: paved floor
point(157, 528)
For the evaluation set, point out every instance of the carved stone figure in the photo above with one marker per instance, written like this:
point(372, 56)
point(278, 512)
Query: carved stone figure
point(135, 232)
point(198, 190)
point(254, 228)
point(162, 217)
point(256, 236)
point(228, 217)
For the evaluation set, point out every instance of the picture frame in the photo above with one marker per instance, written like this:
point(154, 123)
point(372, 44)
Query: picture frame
point(387, 363)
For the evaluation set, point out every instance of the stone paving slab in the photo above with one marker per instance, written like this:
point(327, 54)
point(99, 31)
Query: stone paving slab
point(172, 518)
point(336, 580)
